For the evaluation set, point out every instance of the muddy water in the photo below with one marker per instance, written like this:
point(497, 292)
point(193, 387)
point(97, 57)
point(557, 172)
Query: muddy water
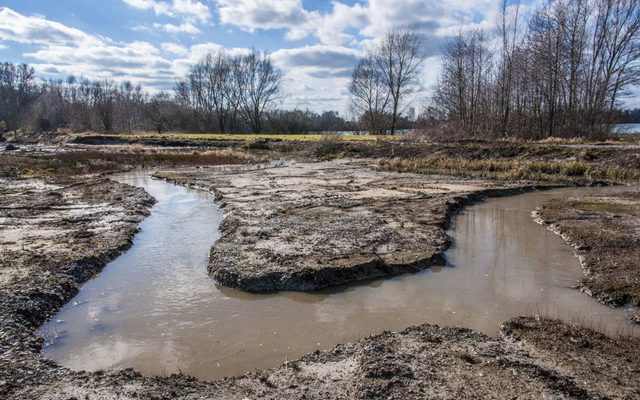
point(155, 308)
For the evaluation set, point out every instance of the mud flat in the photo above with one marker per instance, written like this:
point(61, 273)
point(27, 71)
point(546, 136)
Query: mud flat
point(53, 237)
point(605, 230)
point(311, 225)
point(530, 358)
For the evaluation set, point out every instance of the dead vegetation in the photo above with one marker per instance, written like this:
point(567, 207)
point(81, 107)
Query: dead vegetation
point(513, 169)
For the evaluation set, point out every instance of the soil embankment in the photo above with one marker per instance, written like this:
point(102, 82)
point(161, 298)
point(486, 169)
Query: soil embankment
point(313, 225)
point(605, 230)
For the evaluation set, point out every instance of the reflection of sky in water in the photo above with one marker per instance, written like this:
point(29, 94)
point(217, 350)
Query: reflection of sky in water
point(155, 309)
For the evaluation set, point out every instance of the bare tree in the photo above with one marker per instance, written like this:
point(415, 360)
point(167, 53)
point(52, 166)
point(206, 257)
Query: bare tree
point(563, 76)
point(104, 103)
point(17, 91)
point(508, 31)
point(210, 90)
point(130, 100)
point(158, 112)
point(463, 90)
point(615, 54)
point(258, 83)
point(399, 57)
point(370, 95)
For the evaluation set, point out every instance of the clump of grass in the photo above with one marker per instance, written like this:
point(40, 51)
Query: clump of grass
point(329, 146)
point(558, 140)
point(133, 148)
point(256, 144)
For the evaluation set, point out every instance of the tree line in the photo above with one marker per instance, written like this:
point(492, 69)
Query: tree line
point(559, 70)
point(220, 93)
point(629, 116)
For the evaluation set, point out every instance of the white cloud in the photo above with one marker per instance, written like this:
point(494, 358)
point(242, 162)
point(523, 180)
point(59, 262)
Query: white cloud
point(189, 12)
point(360, 24)
point(331, 28)
point(2, 46)
point(174, 48)
point(185, 27)
point(319, 56)
point(317, 76)
point(192, 10)
point(160, 8)
point(36, 30)
point(250, 15)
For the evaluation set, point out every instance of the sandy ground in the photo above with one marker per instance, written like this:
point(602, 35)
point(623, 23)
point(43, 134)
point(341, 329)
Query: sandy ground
point(310, 225)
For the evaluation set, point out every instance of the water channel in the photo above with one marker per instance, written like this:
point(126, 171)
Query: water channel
point(155, 308)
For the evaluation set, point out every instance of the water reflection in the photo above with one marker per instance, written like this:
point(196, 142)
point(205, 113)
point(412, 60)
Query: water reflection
point(155, 308)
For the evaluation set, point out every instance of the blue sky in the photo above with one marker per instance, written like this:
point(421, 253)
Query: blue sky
point(153, 42)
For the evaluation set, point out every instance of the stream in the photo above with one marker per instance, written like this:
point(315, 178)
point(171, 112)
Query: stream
point(155, 308)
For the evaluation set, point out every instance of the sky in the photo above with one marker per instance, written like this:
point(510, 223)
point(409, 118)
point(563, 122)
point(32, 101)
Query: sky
point(153, 42)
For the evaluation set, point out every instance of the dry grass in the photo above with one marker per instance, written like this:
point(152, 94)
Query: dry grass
point(512, 169)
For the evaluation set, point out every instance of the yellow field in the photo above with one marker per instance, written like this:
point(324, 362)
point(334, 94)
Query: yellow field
point(250, 137)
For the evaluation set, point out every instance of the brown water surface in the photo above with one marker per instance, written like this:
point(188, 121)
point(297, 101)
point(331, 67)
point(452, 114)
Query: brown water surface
point(155, 308)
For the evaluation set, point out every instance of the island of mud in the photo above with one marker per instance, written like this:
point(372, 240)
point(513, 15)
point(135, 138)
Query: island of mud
point(310, 225)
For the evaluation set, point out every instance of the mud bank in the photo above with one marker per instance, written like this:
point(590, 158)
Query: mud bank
point(54, 237)
point(311, 225)
point(605, 230)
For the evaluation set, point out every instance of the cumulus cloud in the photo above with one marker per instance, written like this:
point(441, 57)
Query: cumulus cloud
point(160, 8)
point(185, 27)
point(360, 24)
point(174, 48)
point(61, 50)
point(331, 28)
point(250, 15)
point(317, 56)
point(262, 14)
point(317, 76)
point(16, 27)
point(189, 12)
